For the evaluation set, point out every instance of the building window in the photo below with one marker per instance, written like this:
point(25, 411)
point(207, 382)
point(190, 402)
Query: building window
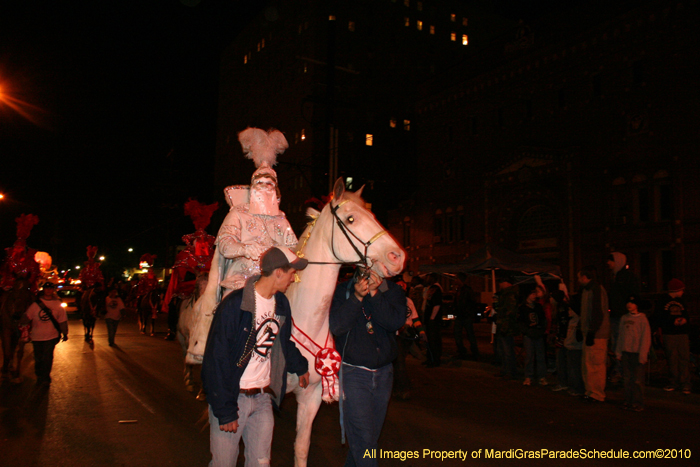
point(407, 3)
point(258, 46)
point(245, 59)
point(419, 6)
point(453, 18)
point(407, 21)
point(419, 25)
point(369, 140)
point(461, 226)
point(351, 26)
point(437, 226)
point(465, 39)
point(465, 22)
point(392, 123)
point(644, 204)
point(432, 29)
point(303, 134)
point(453, 36)
point(665, 202)
point(407, 125)
point(666, 266)
point(331, 18)
point(450, 229)
point(262, 42)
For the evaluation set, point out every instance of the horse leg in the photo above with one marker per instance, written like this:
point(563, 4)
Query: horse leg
point(308, 403)
point(16, 373)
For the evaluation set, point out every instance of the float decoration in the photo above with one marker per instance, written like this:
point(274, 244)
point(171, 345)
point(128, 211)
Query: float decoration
point(91, 274)
point(20, 260)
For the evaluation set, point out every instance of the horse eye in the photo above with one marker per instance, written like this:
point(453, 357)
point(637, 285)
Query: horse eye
point(351, 219)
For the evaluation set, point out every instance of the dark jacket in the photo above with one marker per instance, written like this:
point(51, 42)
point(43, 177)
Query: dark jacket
point(505, 303)
point(532, 320)
point(348, 323)
point(667, 316)
point(222, 366)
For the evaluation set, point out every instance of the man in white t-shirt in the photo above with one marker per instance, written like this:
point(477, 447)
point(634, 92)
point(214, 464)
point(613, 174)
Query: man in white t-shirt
point(49, 321)
point(248, 355)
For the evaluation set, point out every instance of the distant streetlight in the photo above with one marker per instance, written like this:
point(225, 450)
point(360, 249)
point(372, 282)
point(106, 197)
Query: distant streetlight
point(2, 196)
point(102, 258)
point(130, 250)
point(77, 267)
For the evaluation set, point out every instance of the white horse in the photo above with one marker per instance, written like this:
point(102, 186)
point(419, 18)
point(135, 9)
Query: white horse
point(344, 232)
point(185, 325)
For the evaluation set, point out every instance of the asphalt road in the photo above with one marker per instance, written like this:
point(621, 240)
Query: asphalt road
point(459, 406)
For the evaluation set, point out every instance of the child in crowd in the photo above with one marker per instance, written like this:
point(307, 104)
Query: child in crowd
point(632, 349)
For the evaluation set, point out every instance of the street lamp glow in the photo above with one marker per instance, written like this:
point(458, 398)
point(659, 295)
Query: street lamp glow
point(102, 258)
point(130, 250)
point(77, 267)
point(2, 196)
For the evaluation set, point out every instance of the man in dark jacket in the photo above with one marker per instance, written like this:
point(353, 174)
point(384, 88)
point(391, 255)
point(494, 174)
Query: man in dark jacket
point(671, 316)
point(248, 354)
point(365, 314)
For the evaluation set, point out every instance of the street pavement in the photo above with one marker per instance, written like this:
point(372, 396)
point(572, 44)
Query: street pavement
point(127, 406)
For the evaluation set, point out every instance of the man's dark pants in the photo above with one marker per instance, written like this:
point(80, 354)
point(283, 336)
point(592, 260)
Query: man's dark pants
point(43, 359)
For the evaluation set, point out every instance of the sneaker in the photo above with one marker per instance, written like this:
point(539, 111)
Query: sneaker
point(543, 382)
point(559, 387)
point(527, 382)
point(669, 388)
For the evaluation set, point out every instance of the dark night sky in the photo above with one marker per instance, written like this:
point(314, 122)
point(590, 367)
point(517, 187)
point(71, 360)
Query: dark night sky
point(118, 121)
point(115, 118)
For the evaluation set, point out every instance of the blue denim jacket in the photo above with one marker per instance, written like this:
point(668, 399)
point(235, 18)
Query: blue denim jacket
point(222, 367)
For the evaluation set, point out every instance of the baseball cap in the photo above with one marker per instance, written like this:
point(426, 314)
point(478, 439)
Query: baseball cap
point(279, 257)
point(675, 285)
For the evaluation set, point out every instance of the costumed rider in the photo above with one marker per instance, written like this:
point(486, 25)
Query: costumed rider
point(253, 225)
point(190, 263)
point(91, 279)
point(20, 260)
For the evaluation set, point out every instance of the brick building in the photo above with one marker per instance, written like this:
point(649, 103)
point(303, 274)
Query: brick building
point(566, 139)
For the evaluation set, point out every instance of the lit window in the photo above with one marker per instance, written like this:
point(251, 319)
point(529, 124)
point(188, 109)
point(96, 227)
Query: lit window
point(465, 22)
point(351, 26)
point(419, 6)
point(369, 139)
point(407, 21)
point(263, 43)
point(306, 68)
point(432, 29)
point(331, 18)
point(453, 17)
point(465, 39)
point(453, 36)
point(419, 25)
point(392, 123)
point(258, 46)
point(303, 134)
point(407, 125)
point(245, 59)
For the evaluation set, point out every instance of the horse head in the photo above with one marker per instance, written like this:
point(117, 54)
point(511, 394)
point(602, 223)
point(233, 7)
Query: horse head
point(354, 235)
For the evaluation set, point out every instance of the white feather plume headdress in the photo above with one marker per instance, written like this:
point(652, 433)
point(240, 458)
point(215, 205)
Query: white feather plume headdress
point(262, 146)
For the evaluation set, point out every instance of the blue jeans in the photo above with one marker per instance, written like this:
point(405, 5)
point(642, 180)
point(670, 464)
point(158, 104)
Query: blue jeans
point(111, 329)
point(255, 425)
point(534, 357)
point(365, 399)
point(506, 349)
point(43, 359)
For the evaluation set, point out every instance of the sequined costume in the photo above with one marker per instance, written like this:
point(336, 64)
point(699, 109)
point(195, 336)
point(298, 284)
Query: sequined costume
point(241, 228)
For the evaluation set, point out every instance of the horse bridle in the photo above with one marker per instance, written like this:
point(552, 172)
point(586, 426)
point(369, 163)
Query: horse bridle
point(364, 260)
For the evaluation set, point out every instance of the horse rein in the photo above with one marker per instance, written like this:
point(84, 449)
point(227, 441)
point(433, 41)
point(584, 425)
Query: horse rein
point(364, 260)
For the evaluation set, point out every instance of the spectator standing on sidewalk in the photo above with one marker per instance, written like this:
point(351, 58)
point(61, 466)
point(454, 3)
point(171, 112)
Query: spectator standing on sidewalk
point(533, 322)
point(632, 350)
point(595, 327)
point(465, 312)
point(623, 284)
point(671, 316)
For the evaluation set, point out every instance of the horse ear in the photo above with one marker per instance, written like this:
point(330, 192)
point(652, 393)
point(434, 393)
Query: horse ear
point(359, 192)
point(339, 188)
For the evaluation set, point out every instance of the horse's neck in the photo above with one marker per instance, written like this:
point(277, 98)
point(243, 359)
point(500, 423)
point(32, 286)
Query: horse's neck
point(311, 298)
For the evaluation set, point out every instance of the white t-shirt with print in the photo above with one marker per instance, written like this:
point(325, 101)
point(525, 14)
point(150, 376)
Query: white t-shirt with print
point(267, 327)
point(42, 327)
